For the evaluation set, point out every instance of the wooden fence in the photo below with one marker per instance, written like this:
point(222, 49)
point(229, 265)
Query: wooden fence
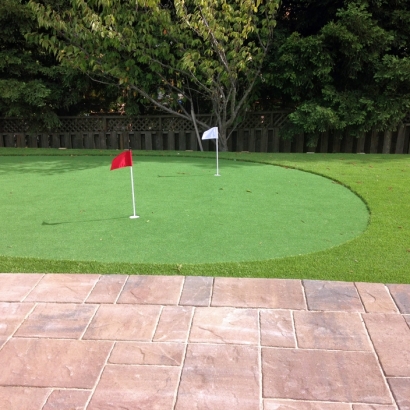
point(259, 132)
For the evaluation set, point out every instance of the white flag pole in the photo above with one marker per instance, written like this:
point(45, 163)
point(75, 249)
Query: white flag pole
point(133, 197)
point(217, 161)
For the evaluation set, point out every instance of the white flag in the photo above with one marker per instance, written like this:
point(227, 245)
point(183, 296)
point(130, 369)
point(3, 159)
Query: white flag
point(211, 134)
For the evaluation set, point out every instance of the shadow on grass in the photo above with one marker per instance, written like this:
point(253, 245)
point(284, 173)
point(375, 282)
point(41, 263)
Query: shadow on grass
point(49, 165)
point(84, 221)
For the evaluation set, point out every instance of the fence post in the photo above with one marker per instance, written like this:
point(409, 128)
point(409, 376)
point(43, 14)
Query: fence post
point(300, 140)
point(158, 140)
point(264, 140)
point(88, 141)
point(148, 141)
point(171, 140)
point(401, 133)
point(32, 141)
point(251, 141)
point(20, 141)
point(239, 140)
point(348, 144)
point(55, 141)
point(324, 142)
point(387, 142)
point(287, 145)
point(374, 142)
point(193, 141)
point(77, 141)
point(360, 144)
point(336, 141)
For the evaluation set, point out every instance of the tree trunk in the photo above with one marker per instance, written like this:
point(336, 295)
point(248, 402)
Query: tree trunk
point(222, 140)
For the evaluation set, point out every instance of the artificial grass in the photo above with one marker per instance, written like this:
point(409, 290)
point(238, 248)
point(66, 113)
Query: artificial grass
point(380, 254)
point(74, 208)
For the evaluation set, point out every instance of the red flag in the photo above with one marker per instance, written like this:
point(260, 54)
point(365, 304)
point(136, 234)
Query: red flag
point(122, 160)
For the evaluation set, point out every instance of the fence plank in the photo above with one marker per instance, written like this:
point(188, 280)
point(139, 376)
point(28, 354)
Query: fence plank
point(55, 141)
point(88, 141)
point(100, 140)
point(360, 144)
point(264, 140)
point(157, 141)
point(148, 141)
point(135, 141)
point(336, 141)
point(149, 135)
point(387, 142)
point(181, 141)
point(251, 141)
point(112, 140)
point(275, 140)
point(125, 138)
point(299, 142)
point(239, 140)
point(66, 141)
point(20, 141)
point(401, 134)
point(348, 144)
point(324, 142)
point(193, 142)
point(44, 141)
point(9, 140)
point(32, 141)
point(171, 140)
point(374, 141)
point(287, 145)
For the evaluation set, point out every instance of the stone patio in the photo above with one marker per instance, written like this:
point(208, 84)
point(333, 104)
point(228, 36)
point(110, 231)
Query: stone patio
point(200, 343)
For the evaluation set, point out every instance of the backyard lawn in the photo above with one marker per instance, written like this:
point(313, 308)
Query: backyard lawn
point(347, 218)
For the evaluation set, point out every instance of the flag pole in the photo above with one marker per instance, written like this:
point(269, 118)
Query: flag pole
point(217, 161)
point(133, 197)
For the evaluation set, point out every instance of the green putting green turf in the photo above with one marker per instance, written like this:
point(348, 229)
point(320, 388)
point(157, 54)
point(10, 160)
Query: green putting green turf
point(74, 208)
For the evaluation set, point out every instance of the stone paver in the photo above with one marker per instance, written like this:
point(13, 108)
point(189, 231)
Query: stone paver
point(258, 293)
point(331, 330)
point(372, 407)
point(11, 316)
point(391, 338)
point(277, 328)
point(341, 296)
point(303, 405)
point(67, 400)
point(27, 398)
point(15, 287)
point(52, 363)
point(173, 324)
point(161, 354)
point(197, 291)
point(401, 295)
point(376, 298)
point(107, 289)
point(225, 325)
point(323, 376)
point(83, 342)
point(136, 387)
point(124, 322)
point(219, 377)
point(164, 290)
point(401, 392)
point(57, 320)
point(62, 288)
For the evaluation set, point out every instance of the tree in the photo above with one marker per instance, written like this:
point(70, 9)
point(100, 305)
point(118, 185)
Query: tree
point(179, 55)
point(33, 85)
point(348, 68)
